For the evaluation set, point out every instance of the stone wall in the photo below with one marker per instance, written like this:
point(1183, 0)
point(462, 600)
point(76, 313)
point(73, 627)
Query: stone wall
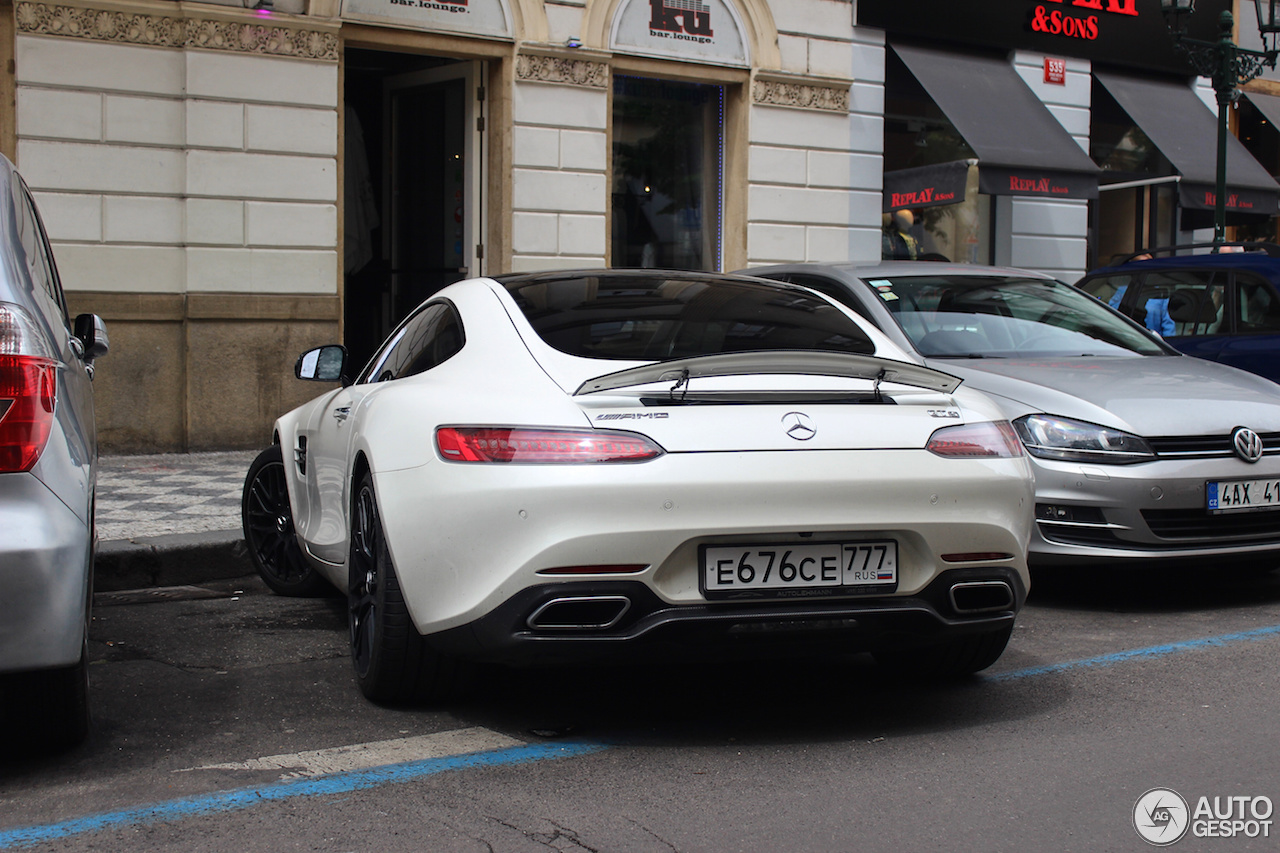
point(186, 169)
point(560, 159)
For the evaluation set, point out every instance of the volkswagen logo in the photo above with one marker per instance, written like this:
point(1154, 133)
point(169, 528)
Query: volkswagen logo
point(799, 426)
point(1248, 444)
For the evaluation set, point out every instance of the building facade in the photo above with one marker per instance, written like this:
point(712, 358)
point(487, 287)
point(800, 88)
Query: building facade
point(228, 186)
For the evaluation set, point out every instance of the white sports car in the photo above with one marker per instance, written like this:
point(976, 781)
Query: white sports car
point(555, 465)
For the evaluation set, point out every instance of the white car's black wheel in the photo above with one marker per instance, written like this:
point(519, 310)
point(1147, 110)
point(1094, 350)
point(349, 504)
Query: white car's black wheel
point(952, 659)
point(268, 529)
point(393, 663)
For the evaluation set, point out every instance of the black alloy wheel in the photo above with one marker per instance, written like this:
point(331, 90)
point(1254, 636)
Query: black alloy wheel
point(394, 664)
point(268, 529)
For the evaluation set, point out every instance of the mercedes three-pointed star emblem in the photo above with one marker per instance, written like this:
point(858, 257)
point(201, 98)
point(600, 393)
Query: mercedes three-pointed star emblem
point(799, 426)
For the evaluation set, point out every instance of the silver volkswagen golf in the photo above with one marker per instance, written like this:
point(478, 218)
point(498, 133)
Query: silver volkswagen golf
point(1142, 455)
point(48, 456)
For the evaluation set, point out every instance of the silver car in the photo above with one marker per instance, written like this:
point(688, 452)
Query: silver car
point(1142, 455)
point(48, 456)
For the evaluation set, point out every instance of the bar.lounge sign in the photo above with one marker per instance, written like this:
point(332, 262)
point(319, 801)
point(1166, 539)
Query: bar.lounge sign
point(698, 30)
point(485, 17)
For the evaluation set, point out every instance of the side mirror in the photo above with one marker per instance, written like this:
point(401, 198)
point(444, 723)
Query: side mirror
point(92, 334)
point(323, 364)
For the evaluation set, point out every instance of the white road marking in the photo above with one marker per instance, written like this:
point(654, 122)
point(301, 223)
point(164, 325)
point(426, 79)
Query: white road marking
point(361, 756)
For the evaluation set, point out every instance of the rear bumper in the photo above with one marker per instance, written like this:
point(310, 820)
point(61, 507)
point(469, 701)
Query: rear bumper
point(648, 627)
point(46, 559)
point(466, 540)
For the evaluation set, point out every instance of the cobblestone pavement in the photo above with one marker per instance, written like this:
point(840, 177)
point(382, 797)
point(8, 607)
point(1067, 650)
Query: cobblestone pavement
point(156, 495)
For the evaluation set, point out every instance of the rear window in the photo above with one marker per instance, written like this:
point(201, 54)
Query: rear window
point(636, 316)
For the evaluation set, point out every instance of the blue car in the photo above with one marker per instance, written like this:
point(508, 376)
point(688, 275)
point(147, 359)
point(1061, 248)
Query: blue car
point(1223, 306)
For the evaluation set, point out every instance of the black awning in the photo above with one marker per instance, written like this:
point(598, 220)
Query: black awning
point(1022, 149)
point(1186, 131)
point(1268, 105)
point(926, 186)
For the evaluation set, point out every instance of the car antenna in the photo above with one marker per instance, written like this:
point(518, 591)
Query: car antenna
point(682, 381)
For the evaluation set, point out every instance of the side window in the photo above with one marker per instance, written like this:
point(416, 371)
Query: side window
point(1107, 288)
point(1257, 308)
point(1180, 302)
point(1190, 302)
point(431, 337)
point(38, 259)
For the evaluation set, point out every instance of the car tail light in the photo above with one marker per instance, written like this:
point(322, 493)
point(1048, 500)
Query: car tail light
point(975, 441)
point(538, 445)
point(28, 390)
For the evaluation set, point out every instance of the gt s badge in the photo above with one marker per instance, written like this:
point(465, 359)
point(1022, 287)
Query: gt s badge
point(945, 413)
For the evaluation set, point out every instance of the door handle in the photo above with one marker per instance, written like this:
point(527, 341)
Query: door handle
point(341, 413)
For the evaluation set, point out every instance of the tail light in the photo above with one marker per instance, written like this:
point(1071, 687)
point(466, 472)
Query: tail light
point(28, 390)
point(542, 446)
point(976, 441)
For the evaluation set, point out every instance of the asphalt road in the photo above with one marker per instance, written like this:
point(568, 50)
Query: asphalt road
point(228, 719)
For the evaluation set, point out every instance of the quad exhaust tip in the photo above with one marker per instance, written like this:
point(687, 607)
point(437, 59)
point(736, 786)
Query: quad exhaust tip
point(981, 596)
point(580, 613)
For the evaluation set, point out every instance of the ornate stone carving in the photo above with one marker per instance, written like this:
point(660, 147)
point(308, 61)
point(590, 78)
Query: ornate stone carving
point(175, 31)
point(555, 69)
point(803, 96)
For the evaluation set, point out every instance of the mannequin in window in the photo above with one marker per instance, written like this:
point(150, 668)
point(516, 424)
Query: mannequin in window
point(896, 242)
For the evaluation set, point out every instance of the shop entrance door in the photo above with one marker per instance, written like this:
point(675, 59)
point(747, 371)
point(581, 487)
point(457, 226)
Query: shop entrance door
point(422, 120)
point(432, 197)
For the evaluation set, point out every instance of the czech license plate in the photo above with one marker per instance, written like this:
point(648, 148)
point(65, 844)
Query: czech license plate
point(1242, 495)
point(826, 568)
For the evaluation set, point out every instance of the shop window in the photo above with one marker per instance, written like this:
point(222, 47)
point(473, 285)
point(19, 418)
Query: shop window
point(1136, 206)
point(668, 156)
point(1261, 137)
point(917, 133)
point(1258, 309)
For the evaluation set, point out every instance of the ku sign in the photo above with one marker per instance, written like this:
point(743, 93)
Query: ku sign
point(690, 30)
point(680, 17)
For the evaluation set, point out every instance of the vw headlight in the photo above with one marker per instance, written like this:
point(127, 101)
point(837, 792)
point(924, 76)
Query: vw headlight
point(1068, 440)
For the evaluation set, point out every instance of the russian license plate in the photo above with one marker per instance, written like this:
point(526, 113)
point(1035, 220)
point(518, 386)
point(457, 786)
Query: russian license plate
point(826, 568)
point(1242, 495)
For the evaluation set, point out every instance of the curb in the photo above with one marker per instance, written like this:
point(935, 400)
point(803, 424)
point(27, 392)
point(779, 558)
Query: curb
point(172, 560)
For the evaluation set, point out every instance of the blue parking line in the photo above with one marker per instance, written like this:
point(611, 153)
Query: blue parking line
point(337, 783)
point(1147, 652)
point(356, 780)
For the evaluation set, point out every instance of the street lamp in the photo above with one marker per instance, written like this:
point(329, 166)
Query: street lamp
point(1228, 66)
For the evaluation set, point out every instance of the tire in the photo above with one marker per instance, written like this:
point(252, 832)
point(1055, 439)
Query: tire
point(394, 664)
point(268, 529)
point(955, 658)
point(47, 711)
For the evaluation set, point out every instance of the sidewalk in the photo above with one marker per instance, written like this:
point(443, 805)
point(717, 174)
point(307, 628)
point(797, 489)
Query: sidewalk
point(170, 519)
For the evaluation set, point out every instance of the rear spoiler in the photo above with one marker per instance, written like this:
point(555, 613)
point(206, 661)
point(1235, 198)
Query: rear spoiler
point(800, 362)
